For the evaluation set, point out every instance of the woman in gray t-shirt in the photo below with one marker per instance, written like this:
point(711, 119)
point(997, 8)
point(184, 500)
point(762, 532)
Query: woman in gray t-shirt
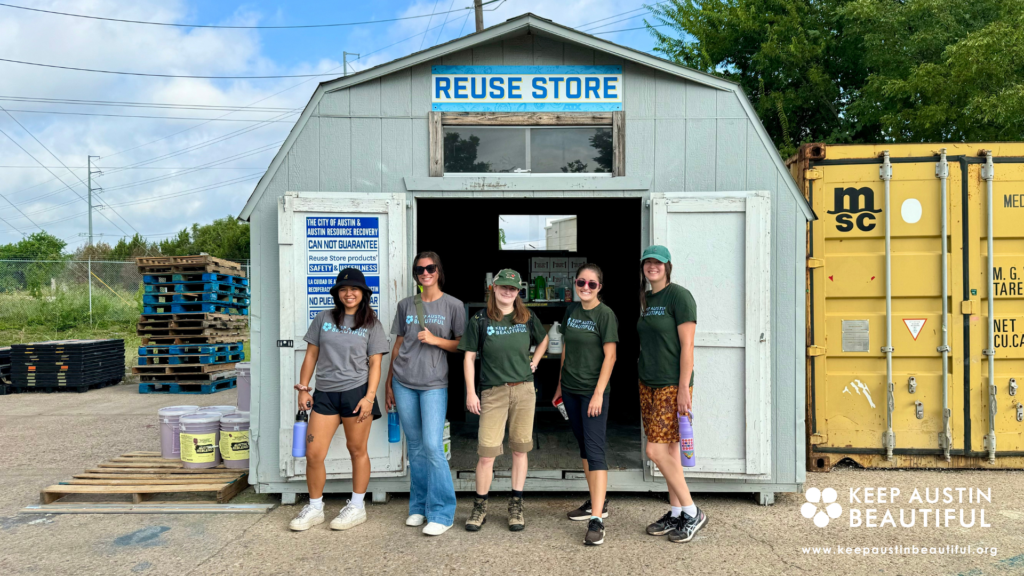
point(345, 348)
point(417, 384)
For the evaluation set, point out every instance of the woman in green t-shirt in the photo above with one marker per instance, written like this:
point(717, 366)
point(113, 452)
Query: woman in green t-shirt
point(501, 334)
point(668, 322)
point(589, 333)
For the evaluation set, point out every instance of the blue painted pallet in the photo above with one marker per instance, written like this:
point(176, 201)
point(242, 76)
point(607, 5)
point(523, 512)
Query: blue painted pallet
point(157, 278)
point(164, 298)
point(176, 349)
point(217, 287)
point(168, 359)
point(213, 298)
point(159, 288)
point(197, 308)
point(209, 277)
point(187, 387)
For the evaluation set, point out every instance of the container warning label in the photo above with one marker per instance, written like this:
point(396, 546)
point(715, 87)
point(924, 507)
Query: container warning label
point(855, 336)
point(915, 325)
point(334, 243)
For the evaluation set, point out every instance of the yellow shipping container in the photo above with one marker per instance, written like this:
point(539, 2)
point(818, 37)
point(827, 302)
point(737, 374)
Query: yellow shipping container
point(880, 388)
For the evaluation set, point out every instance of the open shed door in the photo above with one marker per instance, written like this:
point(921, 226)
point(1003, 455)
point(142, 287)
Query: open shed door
point(319, 234)
point(720, 245)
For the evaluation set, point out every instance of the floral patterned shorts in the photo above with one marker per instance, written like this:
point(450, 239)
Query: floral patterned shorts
point(658, 407)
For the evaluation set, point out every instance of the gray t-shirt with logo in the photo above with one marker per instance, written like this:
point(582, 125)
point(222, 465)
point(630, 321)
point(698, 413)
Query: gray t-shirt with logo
point(422, 366)
point(344, 360)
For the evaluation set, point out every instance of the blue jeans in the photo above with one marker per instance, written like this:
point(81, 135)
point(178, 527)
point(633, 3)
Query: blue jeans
point(422, 412)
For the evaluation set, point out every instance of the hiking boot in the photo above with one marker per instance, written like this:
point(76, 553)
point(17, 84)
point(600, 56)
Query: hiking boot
point(664, 525)
point(516, 522)
point(478, 517)
point(584, 512)
point(595, 533)
point(686, 529)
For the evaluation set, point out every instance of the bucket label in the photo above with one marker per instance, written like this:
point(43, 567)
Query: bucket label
point(198, 448)
point(234, 445)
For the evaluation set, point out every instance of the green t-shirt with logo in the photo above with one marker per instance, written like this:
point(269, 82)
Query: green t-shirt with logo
point(584, 334)
point(506, 353)
point(659, 335)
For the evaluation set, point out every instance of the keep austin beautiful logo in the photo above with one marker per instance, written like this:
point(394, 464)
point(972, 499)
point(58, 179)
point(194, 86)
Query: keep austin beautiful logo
point(822, 507)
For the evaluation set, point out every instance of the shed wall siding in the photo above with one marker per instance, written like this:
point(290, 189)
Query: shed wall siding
point(681, 135)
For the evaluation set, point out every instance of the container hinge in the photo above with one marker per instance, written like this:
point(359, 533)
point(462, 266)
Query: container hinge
point(885, 170)
point(967, 307)
point(919, 410)
point(886, 349)
point(988, 352)
point(889, 442)
point(1020, 412)
point(988, 170)
point(912, 385)
point(285, 343)
point(990, 446)
point(943, 348)
point(993, 404)
point(818, 439)
point(1013, 386)
point(942, 168)
point(815, 263)
point(813, 351)
point(812, 174)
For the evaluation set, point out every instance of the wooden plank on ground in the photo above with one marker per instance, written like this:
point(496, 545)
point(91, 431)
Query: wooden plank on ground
point(225, 494)
point(169, 464)
point(143, 481)
point(183, 478)
point(126, 469)
point(148, 508)
point(52, 493)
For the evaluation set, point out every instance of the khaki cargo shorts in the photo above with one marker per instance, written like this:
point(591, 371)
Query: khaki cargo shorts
point(515, 405)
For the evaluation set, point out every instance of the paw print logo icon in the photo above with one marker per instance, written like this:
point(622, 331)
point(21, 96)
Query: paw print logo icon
point(821, 506)
point(490, 330)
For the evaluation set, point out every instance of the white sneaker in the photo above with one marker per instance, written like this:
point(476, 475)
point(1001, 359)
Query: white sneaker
point(415, 520)
point(435, 529)
point(306, 519)
point(349, 517)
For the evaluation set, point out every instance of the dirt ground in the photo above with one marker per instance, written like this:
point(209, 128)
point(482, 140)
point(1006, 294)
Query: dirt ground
point(49, 437)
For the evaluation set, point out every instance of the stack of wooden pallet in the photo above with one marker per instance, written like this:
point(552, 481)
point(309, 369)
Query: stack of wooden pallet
point(195, 316)
point(5, 371)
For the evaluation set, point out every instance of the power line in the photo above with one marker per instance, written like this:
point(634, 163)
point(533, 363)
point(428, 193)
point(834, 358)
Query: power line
point(238, 180)
point(247, 153)
point(119, 103)
point(293, 26)
point(148, 74)
point(581, 26)
point(428, 25)
point(145, 116)
point(628, 29)
point(131, 168)
point(590, 31)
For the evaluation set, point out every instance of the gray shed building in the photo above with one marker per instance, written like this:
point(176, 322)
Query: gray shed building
point(415, 155)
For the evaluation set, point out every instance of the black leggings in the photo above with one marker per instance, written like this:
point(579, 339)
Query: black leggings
point(589, 432)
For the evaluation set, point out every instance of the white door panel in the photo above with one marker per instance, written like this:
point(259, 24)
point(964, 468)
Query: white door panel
point(720, 252)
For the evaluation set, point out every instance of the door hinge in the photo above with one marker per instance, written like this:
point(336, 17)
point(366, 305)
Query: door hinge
point(812, 174)
point(815, 262)
point(285, 343)
point(967, 307)
point(815, 351)
point(818, 439)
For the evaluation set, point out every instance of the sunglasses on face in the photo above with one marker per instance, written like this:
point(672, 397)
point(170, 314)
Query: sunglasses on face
point(429, 269)
point(584, 283)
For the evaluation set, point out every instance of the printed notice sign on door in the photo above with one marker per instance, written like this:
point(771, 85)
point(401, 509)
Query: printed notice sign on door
point(334, 243)
point(915, 325)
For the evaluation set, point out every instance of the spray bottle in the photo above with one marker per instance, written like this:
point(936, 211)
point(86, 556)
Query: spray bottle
point(299, 434)
point(686, 451)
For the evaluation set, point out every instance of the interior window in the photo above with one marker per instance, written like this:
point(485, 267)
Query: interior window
point(528, 150)
point(537, 232)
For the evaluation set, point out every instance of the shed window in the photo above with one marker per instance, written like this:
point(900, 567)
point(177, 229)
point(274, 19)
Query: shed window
point(528, 150)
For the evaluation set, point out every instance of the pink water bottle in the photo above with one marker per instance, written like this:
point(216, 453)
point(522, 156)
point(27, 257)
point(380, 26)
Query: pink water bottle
point(686, 452)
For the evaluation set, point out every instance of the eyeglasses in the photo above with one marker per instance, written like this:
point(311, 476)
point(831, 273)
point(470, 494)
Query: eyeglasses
point(584, 283)
point(429, 269)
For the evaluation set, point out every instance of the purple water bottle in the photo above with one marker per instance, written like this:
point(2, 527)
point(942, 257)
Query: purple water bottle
point(299, 434)
point(686, 451)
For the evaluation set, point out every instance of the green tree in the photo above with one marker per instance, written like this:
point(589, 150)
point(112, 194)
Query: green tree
point(224, 238)
point(602, 142)
point(460, 154)
point(46, 252)
point(133, 248)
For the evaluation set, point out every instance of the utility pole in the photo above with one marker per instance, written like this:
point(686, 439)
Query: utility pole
point(478, 9)
point(344, 61)
point(89, 170)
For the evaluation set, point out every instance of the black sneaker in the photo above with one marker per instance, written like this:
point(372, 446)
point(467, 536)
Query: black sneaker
point(584, 512)
point(686, 529)
point(664, 525)
point(595, 533)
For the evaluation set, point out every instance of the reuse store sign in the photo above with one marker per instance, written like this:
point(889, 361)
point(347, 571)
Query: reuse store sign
point(526, 88)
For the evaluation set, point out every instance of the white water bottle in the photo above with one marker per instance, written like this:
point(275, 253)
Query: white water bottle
point(554, 339)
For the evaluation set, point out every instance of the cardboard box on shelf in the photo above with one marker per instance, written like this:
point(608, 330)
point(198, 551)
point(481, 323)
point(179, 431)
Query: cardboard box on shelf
point(559, 265)
point(575, 262)
point(539, 266)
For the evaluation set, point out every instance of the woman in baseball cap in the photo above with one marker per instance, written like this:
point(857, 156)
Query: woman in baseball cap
point(502, 335)
point(668, 322)
point(345, 347)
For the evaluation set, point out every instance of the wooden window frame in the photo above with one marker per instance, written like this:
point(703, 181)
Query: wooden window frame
point(438, 120)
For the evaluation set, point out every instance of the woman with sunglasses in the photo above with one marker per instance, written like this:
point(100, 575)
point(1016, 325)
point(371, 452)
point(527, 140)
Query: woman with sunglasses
point(668, 322)
point(345, 348)
point(589, 333)
point(502, 334)
point(426, 326)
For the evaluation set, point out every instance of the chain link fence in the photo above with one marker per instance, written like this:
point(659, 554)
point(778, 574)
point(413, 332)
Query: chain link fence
point(68, 294)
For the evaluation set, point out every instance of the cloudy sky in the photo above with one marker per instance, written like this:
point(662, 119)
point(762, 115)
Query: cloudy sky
point(176, 166)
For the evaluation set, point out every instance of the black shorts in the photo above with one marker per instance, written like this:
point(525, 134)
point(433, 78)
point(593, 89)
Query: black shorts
point(342, 403)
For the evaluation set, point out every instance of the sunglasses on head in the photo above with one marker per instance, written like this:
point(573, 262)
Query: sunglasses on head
point(429, 269)
point(584, 283)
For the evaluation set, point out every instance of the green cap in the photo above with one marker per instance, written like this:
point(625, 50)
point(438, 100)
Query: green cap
point(659, 253)
point(508, 277)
